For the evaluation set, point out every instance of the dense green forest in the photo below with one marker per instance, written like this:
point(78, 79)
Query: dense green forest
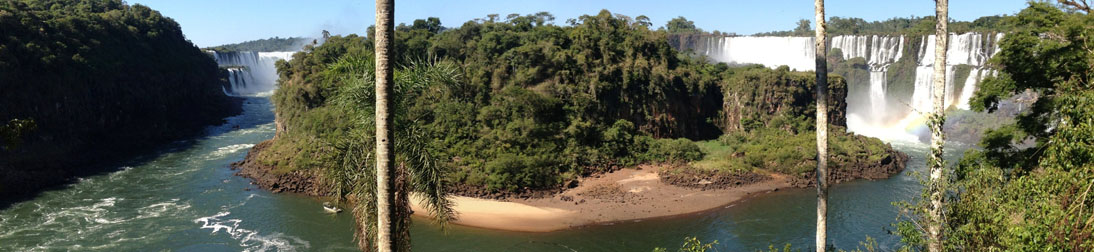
point(522, 104)
point(275, 44)
point(86, 81)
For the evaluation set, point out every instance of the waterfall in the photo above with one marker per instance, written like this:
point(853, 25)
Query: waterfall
point(922, 102)
point(874, 114)
point(794, 52)
point(250, 73)
point(964, 49)
point(970, 86)
point(877, 94)
point(851, 46)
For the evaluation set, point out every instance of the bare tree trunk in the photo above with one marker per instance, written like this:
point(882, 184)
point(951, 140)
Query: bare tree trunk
point(385, 161)
point(822, 128)
point(935, 121)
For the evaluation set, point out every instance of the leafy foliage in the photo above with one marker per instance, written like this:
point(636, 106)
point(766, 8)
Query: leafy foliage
point(681, 25)
point(11, 134)
point(533, 104)
point(777, 150)
point(692, 244)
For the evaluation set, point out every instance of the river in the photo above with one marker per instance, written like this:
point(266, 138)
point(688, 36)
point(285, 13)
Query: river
point(186, 198)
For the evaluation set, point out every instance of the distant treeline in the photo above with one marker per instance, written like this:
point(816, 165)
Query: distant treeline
point(275, 44)
point(893, 26)
point(912, 25)
point(85, 81)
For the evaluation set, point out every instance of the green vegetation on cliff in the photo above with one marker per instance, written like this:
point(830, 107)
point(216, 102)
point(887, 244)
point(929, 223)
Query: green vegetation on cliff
point(522, 104)
point(768, 118)
point(99, 79)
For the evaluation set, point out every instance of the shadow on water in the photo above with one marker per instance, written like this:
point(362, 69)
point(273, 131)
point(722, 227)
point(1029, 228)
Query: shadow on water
point(182, 197)
point(139, 157)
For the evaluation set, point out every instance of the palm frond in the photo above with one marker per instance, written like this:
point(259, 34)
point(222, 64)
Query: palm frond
point(427, 175)
point(421, 171)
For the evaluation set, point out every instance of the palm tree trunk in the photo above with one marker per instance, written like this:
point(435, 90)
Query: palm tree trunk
point(822, 128)
point(385, 162)
point(936, 120)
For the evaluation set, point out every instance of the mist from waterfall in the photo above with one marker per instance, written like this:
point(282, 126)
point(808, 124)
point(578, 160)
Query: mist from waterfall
point(250, 73)
point(876, 115)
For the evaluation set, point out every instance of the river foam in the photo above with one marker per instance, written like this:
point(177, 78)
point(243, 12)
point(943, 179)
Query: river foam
point(249, 239)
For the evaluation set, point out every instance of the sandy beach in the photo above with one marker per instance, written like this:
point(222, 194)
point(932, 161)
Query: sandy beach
point(627, 194)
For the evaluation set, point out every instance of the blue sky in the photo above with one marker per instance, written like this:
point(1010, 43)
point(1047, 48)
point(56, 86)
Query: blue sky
point(216, 22)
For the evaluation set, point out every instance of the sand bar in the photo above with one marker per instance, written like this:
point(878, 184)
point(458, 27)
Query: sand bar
point(628, 194)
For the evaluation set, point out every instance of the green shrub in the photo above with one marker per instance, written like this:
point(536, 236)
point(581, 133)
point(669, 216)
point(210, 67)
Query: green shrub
point(673, 150)
point(511, 172)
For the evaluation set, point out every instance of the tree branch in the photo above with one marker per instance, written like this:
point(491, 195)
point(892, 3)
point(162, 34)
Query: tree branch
point(1081, 5)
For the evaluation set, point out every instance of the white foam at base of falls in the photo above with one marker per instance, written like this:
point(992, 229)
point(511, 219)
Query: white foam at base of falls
point(901, 131)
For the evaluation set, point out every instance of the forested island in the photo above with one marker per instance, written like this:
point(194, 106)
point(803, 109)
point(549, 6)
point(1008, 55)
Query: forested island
point(88, 82)
point(523, 108)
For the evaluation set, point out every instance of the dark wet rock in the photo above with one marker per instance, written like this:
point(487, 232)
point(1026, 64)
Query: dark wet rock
point(707, 179)
point(263, 176)
point(888, 166)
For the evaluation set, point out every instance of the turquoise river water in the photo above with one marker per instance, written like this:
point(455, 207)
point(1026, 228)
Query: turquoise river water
point(186, 198)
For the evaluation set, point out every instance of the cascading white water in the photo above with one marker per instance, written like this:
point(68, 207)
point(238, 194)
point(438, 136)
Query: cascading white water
point(250, 73)
point(851, 46)
point(885, 51)
point(794, 52)
point(964, 49)
point(967, 91)
point(877, 94)
point(879, 52)
point(922, 103)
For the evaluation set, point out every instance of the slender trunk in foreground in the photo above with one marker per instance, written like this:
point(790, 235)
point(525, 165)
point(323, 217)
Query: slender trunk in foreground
point(936, 120)
point(385, 161)
point(822, 128)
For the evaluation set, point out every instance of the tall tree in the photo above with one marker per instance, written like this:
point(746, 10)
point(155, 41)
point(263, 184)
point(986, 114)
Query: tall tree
point(803, 28)
point(385, 162)
point(935, 122)
point(822, 127)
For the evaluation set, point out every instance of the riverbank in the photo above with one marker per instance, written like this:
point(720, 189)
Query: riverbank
point(623, 195)
point(643, 192)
